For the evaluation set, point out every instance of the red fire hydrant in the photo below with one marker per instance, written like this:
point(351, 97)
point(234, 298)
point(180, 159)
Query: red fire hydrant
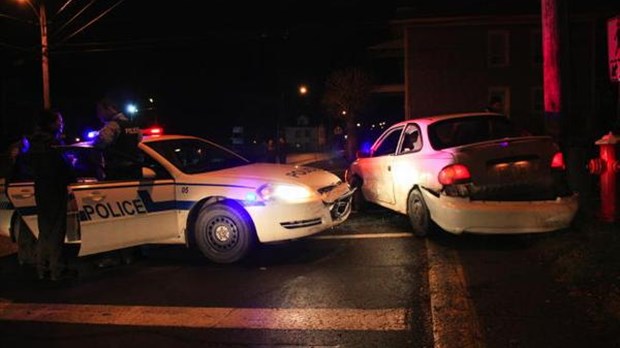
point(607, 166)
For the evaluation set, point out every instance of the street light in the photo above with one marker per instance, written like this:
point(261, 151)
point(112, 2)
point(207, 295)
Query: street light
point(42, 17)
point(286, 97)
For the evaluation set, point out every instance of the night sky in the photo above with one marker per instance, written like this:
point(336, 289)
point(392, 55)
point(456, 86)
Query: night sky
point(207, 69)
point(208, 65)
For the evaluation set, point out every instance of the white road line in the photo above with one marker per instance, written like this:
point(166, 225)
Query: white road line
point(455, 322)
point(365, 236)
point(393, 319)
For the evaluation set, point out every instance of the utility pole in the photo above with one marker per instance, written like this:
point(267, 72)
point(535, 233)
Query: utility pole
point(552, 80)
point(44, 55)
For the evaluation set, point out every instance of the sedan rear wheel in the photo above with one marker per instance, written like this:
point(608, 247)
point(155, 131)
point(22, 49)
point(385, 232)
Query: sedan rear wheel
point(223, 233)
point(418, 213)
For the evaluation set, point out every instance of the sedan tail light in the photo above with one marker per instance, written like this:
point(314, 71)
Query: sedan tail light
point(558, 161)
point(454, 174)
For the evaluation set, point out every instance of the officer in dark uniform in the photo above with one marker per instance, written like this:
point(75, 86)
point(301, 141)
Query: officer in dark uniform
point(52, 173)
point(118, 139)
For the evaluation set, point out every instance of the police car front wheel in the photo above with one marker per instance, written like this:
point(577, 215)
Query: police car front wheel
point(223, 233)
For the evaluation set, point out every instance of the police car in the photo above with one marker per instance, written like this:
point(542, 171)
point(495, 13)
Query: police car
point(192, 192)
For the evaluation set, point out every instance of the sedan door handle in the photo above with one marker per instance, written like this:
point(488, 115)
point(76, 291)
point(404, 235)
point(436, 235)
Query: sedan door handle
point(96, 197)
point(24, 194)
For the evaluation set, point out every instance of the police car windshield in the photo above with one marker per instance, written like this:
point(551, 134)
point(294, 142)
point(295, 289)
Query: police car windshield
point(193, 156)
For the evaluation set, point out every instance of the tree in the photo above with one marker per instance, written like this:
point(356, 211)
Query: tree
point(346, 93)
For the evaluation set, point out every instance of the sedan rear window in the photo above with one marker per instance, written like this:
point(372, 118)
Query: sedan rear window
point(468, 130)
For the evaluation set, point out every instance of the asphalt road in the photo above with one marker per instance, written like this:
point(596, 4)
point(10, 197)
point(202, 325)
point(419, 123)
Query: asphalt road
point(366, 283)
point(346, 287)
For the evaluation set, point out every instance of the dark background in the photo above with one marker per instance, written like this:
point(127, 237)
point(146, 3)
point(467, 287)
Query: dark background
point(207, 65)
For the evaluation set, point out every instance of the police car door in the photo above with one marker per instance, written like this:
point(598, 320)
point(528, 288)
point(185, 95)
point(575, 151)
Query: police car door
point(20, 196)
point(120, 214)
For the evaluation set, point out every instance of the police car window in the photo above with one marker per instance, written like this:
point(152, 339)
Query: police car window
point(160, 171)
point(196, 156)
point(388, 144)
point(87, 162)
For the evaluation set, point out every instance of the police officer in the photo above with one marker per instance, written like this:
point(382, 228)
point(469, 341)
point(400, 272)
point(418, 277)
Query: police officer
point(52, 173)
point(118, 139)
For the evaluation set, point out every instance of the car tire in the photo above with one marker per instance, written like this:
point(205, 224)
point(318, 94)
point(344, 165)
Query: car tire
point(26, 241)
point(223, 233)
point(418, 214)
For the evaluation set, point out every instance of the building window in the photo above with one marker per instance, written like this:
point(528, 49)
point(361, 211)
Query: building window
point(498, 49)
point(536, 47)
point(501, 93)
point(537, 101)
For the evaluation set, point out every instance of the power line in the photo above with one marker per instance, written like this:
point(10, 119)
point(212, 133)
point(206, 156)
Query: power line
point(17, 48)
point(90, 23)
point(62, 8)
point(74, 17)
point(16, 19)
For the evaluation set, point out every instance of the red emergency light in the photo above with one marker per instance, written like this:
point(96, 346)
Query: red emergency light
point(154, 131)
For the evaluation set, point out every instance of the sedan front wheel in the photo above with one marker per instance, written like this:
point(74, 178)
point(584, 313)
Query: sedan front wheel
point(223, 233)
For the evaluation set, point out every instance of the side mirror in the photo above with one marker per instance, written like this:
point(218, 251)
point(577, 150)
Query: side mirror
point(362, 154)
point(148, 173)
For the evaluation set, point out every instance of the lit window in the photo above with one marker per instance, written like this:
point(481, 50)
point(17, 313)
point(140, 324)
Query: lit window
point(503, 94)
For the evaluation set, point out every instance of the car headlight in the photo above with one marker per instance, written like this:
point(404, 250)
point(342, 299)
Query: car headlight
point(284, 192)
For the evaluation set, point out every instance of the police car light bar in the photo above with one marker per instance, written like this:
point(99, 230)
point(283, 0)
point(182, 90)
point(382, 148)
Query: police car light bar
point(91, 135)
point(153, 131)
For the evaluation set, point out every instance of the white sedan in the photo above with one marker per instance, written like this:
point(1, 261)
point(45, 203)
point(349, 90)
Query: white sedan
point(192, 192)
point(466, 173)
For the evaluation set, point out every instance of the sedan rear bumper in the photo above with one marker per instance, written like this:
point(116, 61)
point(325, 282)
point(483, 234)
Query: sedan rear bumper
point(458, 215)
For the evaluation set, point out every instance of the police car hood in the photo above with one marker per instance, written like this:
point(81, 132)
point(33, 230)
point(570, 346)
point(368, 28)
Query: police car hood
point(257, 174)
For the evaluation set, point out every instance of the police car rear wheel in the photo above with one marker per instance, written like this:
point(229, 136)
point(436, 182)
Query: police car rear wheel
point(223, 234)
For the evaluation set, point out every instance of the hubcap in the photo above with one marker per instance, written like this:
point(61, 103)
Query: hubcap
point(222, 233)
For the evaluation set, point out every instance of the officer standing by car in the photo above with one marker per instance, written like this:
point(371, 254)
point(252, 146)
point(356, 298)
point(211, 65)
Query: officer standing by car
point(118, 139)
point(52, 173)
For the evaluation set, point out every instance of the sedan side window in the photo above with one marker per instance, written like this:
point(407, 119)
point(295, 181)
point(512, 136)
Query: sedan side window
point(411, 139)
point(388, 144)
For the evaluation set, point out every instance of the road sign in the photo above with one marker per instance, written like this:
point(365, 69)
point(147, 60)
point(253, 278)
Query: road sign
point(613, 46)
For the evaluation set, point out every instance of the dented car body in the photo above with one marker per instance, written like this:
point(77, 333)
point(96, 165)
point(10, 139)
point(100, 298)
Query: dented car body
point(467, 173)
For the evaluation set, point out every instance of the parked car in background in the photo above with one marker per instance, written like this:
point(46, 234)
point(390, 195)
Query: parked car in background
point(192, 192)
point(471, 172)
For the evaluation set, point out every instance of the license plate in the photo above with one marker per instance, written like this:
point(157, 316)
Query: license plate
point(513, 171)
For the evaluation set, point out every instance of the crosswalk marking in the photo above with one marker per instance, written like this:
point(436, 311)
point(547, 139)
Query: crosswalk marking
point(453, 313)
point(365, 236)
point(393, 319)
